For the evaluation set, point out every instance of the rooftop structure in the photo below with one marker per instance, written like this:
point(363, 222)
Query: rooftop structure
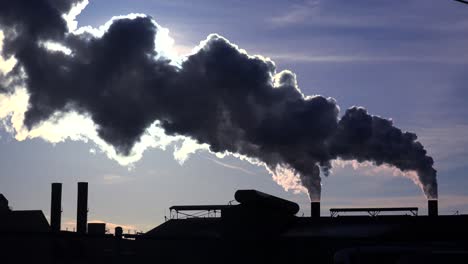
point(374, 211)
point(196, 211)
point(260, 228)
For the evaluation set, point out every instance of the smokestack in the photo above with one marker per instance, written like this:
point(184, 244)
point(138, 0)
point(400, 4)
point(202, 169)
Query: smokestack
point(56, 207)
point(432, 208)
point(315, 209)
point(82, 208)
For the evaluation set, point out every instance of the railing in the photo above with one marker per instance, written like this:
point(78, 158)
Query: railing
point(373, 211)
point(196, 211)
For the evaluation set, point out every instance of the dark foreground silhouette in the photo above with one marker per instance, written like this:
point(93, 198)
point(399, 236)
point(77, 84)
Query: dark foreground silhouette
point(260, 229)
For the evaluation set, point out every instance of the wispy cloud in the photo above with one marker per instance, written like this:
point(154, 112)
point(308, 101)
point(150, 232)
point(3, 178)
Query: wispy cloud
point(229, 166)
point(114, 179)
point(404, 15)
point(297, 13)
point(311, 58)
point(447, 144)
point(315, 13)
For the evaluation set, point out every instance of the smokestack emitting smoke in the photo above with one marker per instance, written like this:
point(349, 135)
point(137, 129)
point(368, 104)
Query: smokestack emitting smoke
point(315, 209)
point(432, 207)
point(219, 96)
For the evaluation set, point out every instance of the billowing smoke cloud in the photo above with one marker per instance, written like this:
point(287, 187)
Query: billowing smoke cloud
point(218, 96)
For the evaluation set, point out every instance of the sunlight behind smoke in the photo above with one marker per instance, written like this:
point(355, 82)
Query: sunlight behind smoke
point(368, 168)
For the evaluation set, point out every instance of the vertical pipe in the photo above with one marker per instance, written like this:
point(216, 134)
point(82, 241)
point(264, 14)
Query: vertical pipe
point(432, 208)
point(82, 208)
point(56, 207)
point(315, 209)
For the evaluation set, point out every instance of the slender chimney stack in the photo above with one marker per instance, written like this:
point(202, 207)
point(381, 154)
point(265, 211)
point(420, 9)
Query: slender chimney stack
point(82, 208)
point(56, 207)
point(432, 208)
point(315, 209)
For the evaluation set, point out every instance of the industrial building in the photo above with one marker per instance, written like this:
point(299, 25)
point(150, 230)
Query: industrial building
point(259, 228)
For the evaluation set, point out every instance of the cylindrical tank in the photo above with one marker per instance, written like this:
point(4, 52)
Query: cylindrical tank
point(263, 200)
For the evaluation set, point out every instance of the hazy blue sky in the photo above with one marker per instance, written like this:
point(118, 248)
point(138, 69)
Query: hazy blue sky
point(405, 60)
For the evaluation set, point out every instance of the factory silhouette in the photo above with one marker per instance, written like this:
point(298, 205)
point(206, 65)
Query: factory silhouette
point(259, 228)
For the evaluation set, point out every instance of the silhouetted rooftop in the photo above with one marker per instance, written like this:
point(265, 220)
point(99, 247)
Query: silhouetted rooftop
point(198, 207)
point(187, 228)
point(374, 210)
point(3, 203)
point(24, 221)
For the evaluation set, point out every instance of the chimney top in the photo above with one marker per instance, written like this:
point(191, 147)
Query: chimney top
point(432, 207)
point(315, 209)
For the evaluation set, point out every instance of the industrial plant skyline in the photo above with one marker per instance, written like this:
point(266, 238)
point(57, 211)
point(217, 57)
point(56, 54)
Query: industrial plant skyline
point(318, 63)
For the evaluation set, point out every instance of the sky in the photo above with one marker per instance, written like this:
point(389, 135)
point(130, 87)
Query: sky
point(404, 60)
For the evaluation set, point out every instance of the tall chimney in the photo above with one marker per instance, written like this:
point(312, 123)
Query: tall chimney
point(56, 207)
point(82, 208)
point(315, 209)
point(432, 208)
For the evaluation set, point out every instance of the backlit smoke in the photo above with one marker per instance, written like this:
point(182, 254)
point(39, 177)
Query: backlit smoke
point(121, 77)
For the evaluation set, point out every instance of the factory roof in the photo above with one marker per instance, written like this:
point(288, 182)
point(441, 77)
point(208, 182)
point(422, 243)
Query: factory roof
point(374, 211)
point(24, 221)
point(198, 207)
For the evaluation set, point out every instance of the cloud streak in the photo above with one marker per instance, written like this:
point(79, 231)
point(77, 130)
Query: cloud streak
point(114, 179)
point(311, 58)
point(229, 166)
point(350, 15)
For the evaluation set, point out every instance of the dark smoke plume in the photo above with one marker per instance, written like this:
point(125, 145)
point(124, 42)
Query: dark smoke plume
point(219, 96)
